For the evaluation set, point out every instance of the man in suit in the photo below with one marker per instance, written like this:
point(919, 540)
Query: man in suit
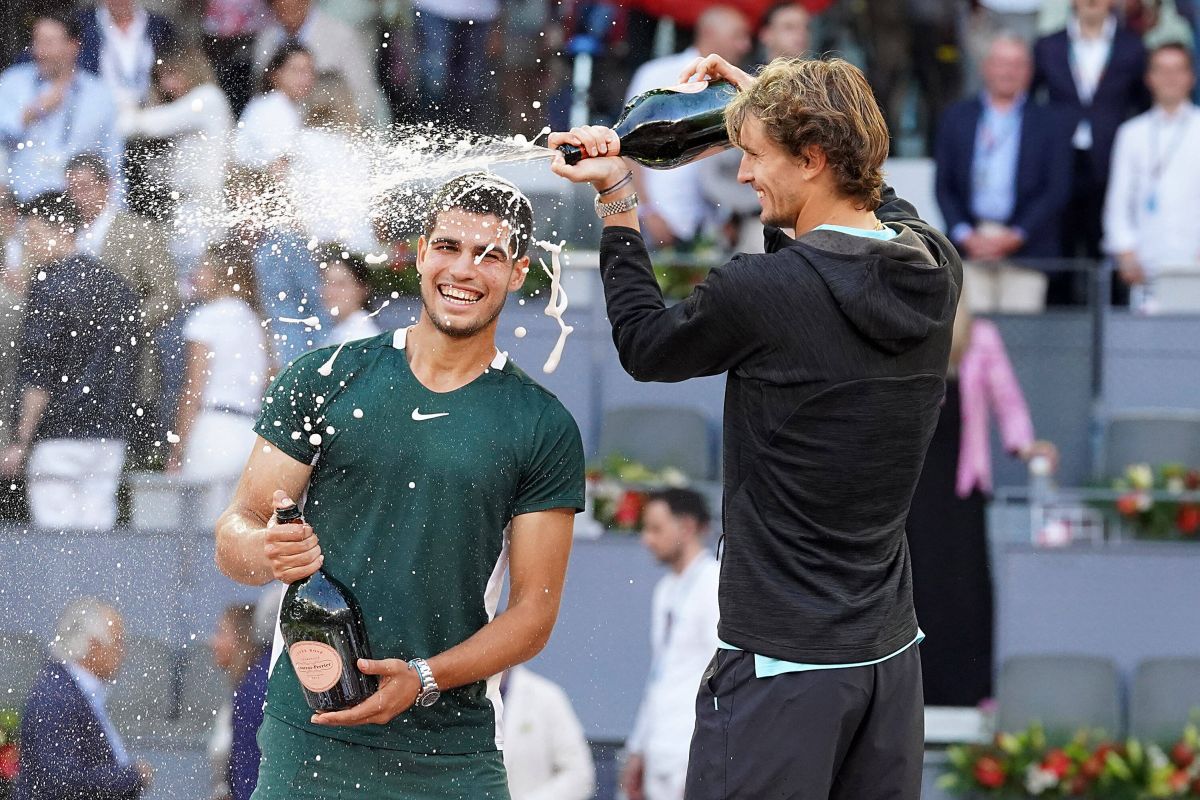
point(1003, 178)
point(70, 749)
point(1092, 71)
point(120, 41)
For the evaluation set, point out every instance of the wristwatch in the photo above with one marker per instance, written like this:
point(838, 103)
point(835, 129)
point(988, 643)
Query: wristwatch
point(627, 203)
point(430, 692)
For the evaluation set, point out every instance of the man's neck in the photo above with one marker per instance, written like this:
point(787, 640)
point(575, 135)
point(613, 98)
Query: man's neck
point(1092, 27)
point(444, 363)
point(832, 210)
point(1002, 103)
point(1171, 108)
point(690, 553)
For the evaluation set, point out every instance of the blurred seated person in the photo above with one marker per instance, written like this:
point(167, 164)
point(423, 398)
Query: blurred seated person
point(346, 288)
point(545, 752)
point(1148, 225)
point(120, 42)
point(672, 207)
point(1003, 178)
point(251, 694)
point(235, 650)
point(229, 29)
point(947, 531)
point(784, 32)
point(272, 118)
point(70, 748)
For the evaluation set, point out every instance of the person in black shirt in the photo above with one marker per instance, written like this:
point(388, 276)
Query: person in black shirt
point(75, 375)
point(835, 345)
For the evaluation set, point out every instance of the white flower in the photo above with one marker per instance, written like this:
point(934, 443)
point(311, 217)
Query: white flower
point(673, 477)
point(1141, 476)
point(1038, 780)
point(1158, 759)
point(1175, 485)
point(1144, 501)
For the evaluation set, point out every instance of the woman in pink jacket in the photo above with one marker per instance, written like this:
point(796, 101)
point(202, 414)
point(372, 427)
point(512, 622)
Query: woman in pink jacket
point(947, 534)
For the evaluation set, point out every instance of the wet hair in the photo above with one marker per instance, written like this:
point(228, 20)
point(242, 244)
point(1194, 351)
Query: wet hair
point(684, 503)
point(279, 58)
point(56, 208)
point(827, 104)
point(93, 163)
point(489, 195)
point(67, 20)
point(232, 262)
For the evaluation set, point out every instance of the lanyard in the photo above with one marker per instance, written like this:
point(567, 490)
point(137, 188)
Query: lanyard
point(1157, 164)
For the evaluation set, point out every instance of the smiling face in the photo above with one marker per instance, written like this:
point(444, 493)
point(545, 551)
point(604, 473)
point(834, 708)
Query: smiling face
point(773, 173)
point(467, 269)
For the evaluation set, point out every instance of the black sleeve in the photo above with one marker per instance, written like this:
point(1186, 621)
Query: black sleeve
point(708, 333)
point(41, 342)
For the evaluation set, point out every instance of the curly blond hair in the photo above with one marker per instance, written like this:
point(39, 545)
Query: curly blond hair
point(824, 103)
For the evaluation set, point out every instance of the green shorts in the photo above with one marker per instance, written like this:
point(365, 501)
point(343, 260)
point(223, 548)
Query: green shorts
point(299, 764)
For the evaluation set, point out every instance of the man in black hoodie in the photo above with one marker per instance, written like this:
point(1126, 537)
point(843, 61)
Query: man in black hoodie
point(835, 344)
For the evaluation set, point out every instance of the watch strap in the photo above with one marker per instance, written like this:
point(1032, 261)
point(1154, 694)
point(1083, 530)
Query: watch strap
point(627, 203)
point(428, 684)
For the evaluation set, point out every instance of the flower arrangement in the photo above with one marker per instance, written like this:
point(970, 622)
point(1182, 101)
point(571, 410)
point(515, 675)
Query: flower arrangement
point(618, 488)
point(10, 731)
point(1023, 765)
point(1142, 506)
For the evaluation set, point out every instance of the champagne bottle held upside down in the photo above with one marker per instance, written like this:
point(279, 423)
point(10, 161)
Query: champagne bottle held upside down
point(322, 625)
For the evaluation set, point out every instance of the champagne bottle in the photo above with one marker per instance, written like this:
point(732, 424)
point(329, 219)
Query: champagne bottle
point(325, 635)
point(665, 128)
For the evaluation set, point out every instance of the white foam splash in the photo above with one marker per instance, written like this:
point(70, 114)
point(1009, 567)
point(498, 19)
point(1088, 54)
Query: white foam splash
point(556, 306)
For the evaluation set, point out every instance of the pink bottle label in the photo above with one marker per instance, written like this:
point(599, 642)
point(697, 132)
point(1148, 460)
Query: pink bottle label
point(317, 665)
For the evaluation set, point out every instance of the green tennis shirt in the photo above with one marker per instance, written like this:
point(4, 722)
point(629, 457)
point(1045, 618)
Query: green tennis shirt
point(411, 495)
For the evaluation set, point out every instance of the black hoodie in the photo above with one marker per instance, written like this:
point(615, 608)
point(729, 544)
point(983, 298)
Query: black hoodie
point(836, 347)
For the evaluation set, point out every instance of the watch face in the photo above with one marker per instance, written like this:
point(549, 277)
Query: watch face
point(430, 698)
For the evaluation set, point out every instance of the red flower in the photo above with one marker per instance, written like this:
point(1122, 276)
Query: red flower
point(9, 762)
point(1179, 781)
point(1127, 504)
point(1079, 786)
point(1188, 519)
point(1191, 480)
point(1057, 762)
point(1182, 755)
point(629, 509)
point(1094, 765)
point(989, 772)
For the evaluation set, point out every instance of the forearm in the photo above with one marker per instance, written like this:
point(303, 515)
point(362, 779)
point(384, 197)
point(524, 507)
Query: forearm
point(513, 637)
point(33, 406)
point(241, 546)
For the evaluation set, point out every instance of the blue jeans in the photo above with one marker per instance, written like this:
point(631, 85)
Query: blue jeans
point(452, 65)
point(284, 265)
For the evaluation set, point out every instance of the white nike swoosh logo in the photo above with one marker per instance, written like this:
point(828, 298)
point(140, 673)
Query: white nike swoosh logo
point(419, 417)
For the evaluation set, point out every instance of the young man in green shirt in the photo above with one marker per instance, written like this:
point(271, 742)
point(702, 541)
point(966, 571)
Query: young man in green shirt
point(429, 462)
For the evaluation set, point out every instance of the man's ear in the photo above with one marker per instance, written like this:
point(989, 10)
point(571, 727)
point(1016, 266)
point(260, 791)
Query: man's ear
point(422, 249)
point(812, 161)
point(520, 269)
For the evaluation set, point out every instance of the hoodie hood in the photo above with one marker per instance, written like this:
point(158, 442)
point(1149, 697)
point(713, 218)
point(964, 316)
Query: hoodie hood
point(894, 291)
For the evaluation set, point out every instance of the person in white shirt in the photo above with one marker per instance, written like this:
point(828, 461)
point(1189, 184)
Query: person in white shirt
point(227, 365)
point(683, 636)
point(1148, 224)
point(194, 115)
point(672, 206)
point(545, 752)
point(121, 43)
point(345, 287)
point(271, 120)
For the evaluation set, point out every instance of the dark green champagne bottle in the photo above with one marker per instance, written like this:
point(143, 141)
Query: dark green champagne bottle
point(665, 128)
point(325, 635)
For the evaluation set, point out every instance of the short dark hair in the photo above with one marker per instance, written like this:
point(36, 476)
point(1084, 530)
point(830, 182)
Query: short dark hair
point(93, 162)
point(683, 503)
point(56, 208)
point(352, 261)
point(1178, 47)
point(484, 193)
point(777, 9)
point(69, 21)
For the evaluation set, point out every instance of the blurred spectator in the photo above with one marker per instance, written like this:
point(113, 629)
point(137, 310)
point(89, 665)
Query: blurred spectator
point(1148, 226)
point(1003, 178)
point(335, 47)
point(672, 207)
point(78, 363)
point(272, 118)
point(70, 748)
point(10, 235)
point(346, 288)
point(290, 285)
point(120, 42)
point(193, 114)
point(545, 752)
point(235, 650)
point(1093, 71)
point(683, 637)
point(136, 249)
point(947, 534)
point(452, 52)
point(49, 111)
point(227, 366)
point(327, 161)
point(229, 29)
point(251, 694)
point(784, 32)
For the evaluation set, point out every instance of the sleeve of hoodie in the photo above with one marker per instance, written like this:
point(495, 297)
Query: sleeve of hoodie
point(708, 333)
point(894, 209)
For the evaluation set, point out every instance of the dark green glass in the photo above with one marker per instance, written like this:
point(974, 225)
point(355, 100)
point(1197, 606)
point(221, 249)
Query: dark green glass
point(325, 635)
point(666, 128)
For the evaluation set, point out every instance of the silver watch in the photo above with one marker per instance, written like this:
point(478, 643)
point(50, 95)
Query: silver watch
point(430, 692)
point(626, 203)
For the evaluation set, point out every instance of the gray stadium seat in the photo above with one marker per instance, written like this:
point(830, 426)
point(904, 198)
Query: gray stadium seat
point(661, 436)
point(1064, 693)
point(1154, 436)
point(22, 656)
point(142, 701)
point(1165, 698)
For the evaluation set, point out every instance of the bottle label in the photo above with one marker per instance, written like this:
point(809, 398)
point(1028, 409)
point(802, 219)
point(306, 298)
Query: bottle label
point(317, 665)
point(688, 88)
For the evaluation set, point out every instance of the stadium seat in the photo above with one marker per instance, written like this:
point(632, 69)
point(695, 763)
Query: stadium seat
point(22, 656)
point(660, 436)
point(1063, 693)
point(1165, 698)
point(1153, 436)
